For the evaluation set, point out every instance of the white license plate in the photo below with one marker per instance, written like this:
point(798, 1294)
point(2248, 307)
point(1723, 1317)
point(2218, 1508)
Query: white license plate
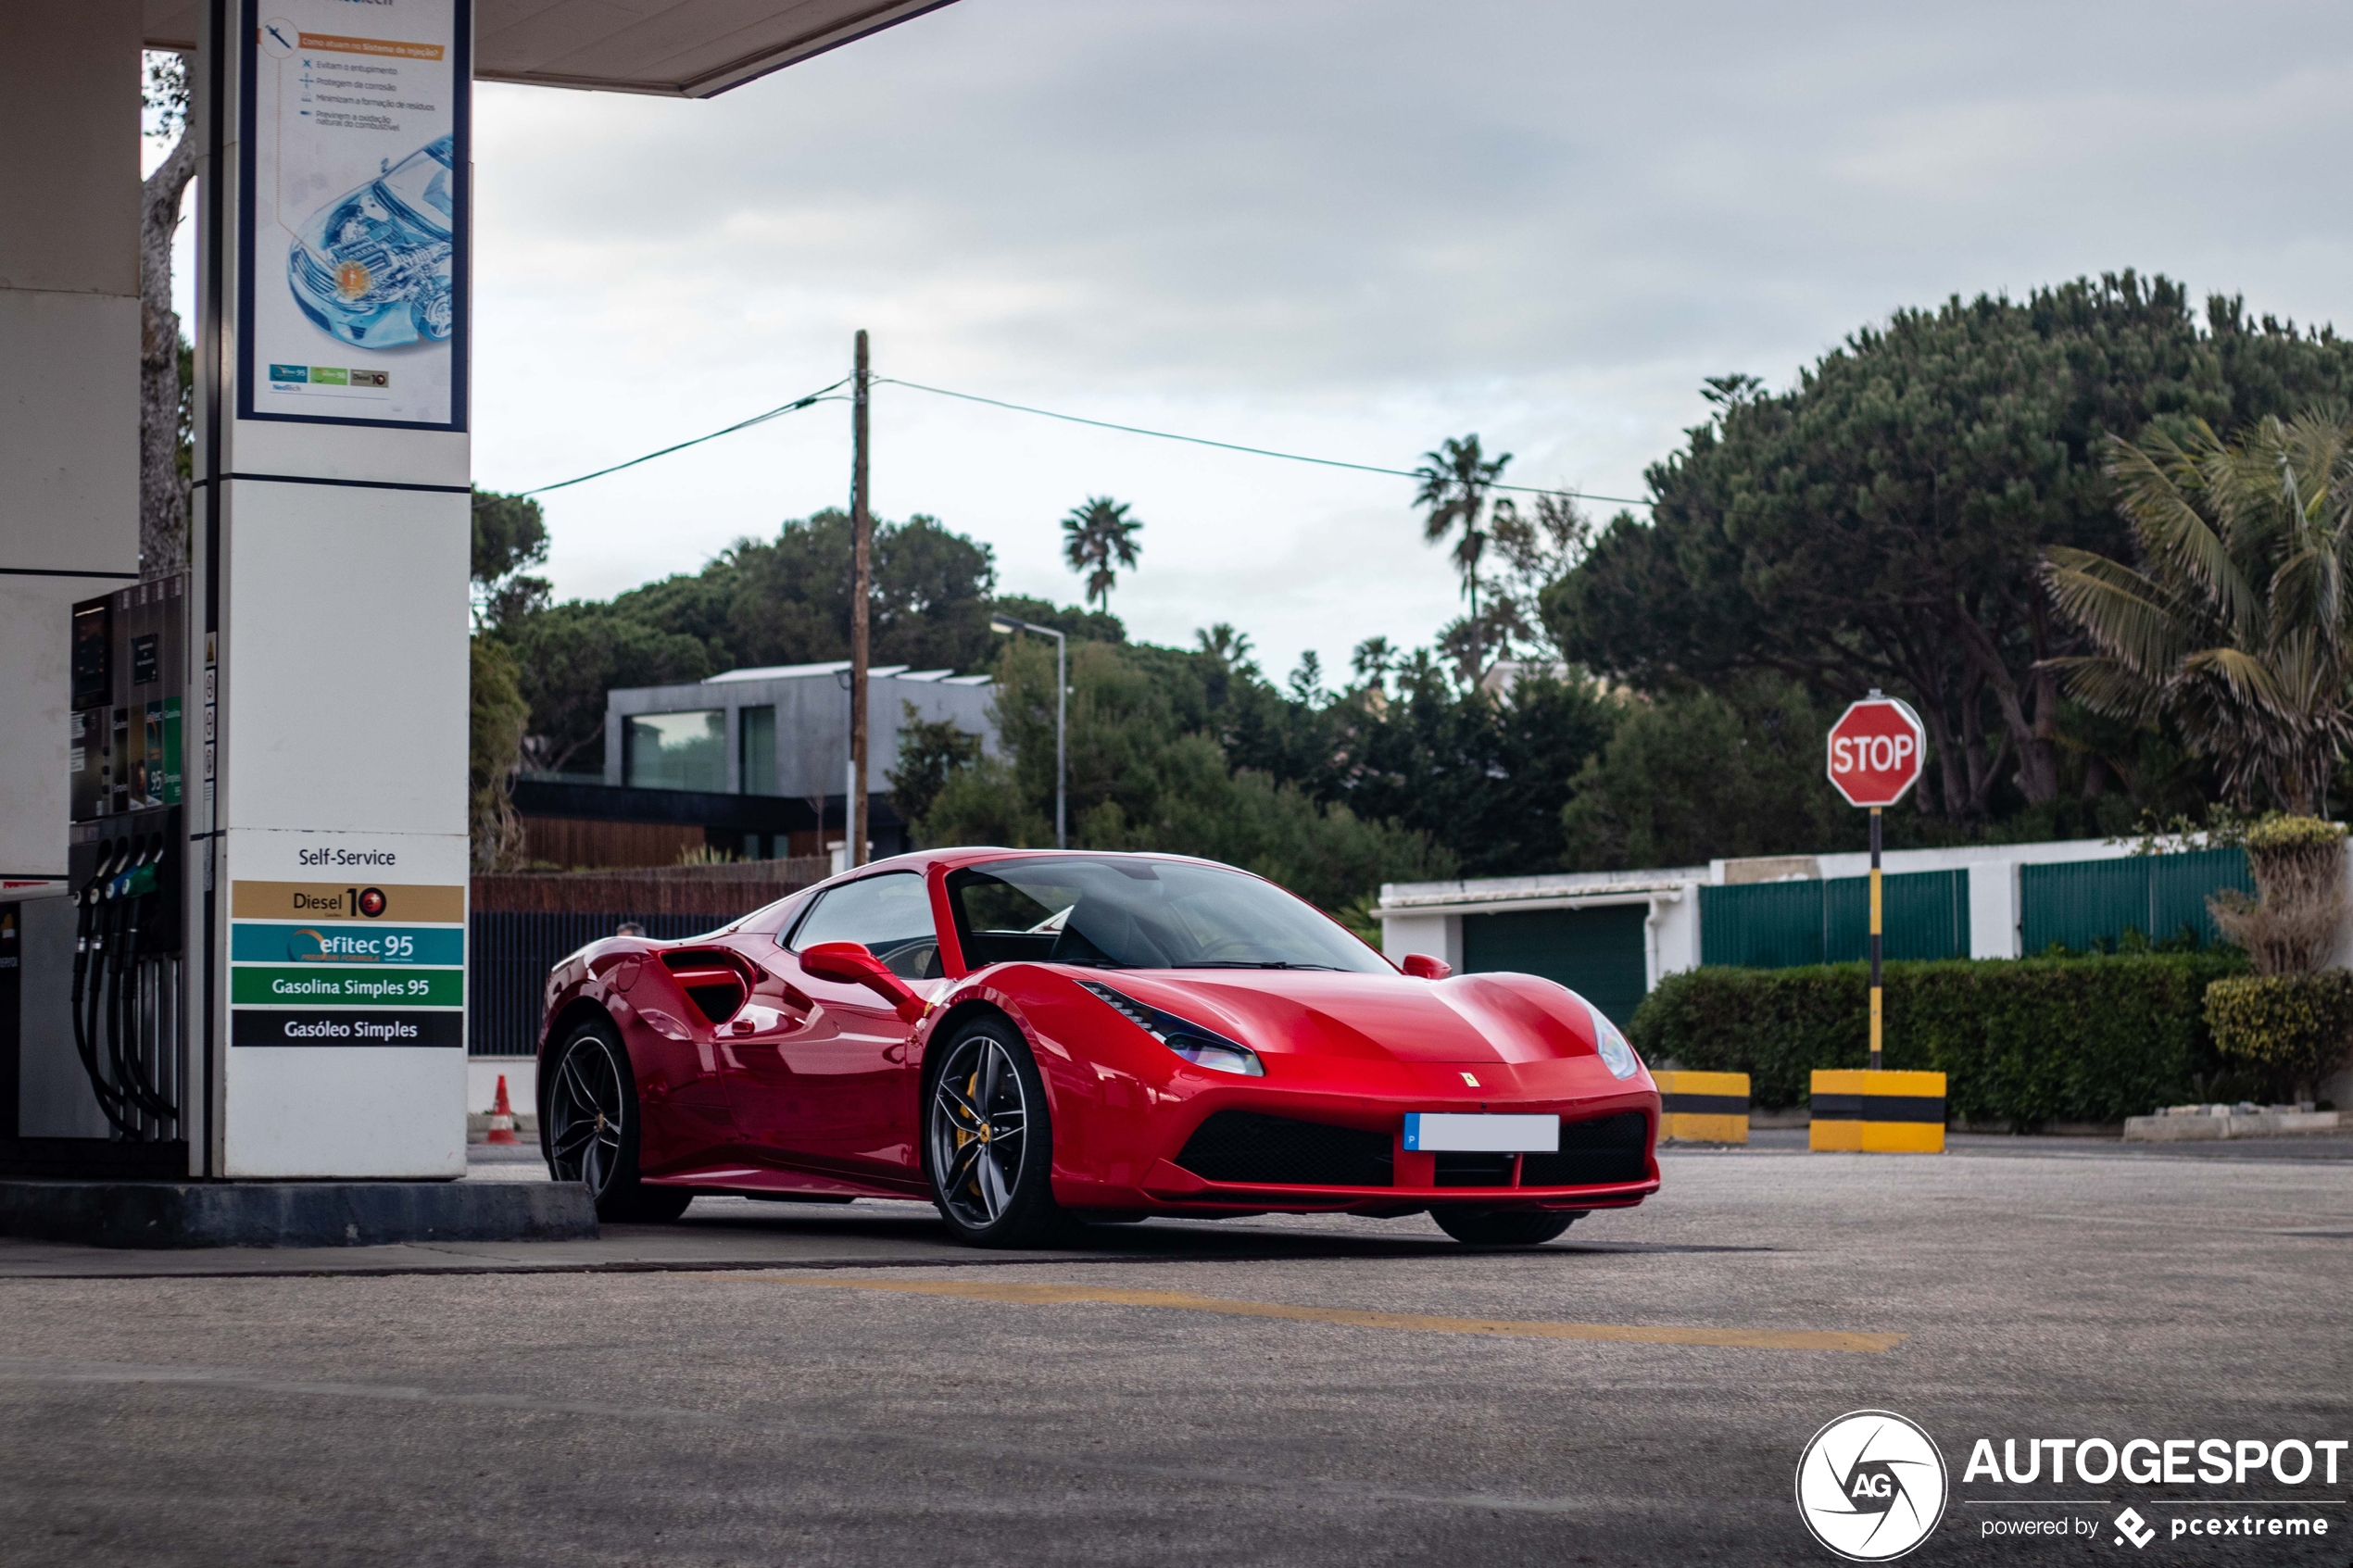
point(1449, 1132)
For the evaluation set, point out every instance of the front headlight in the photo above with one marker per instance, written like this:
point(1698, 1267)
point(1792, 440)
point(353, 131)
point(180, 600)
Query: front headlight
point(1617, 1055)
point(1203, 1047)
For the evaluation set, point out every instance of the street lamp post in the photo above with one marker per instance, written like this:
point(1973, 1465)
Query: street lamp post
point(1005, 626)
point(848, 679)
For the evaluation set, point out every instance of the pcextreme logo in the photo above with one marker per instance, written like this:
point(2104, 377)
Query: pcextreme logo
point(1870, 1486)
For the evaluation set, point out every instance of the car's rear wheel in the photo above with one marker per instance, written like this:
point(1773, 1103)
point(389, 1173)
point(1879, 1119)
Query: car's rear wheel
point(1502, 1227)
point(591, 1129)
point(989, 1146)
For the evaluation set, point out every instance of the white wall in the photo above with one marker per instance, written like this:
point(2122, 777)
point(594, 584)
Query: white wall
point(1895, 863)
point(1439, 935)
point(68, 378)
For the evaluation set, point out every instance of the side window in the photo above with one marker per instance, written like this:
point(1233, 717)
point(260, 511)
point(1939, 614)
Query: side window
point(890, 913)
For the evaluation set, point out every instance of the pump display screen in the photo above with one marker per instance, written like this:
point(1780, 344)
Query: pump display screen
point(123, 733)
point(92, 667)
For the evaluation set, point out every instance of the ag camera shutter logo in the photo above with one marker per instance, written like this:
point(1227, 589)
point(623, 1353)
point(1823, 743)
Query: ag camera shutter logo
point(1870, 1486)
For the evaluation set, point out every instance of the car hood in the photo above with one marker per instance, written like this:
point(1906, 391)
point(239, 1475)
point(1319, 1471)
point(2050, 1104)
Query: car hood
point(1471, 1018)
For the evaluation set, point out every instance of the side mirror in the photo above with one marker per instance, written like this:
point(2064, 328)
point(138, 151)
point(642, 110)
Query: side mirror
point(1421, 966)
point(851, 963)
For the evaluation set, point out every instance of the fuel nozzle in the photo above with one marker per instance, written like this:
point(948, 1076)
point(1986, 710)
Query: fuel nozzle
point(111, 855)
point(139, 875)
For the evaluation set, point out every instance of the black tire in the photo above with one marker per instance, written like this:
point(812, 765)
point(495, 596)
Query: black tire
point(589, 1129)
point(1502, 1227)
point(982, 1094)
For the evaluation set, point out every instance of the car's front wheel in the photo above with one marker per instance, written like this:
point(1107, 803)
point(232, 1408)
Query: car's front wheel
point(591, 1129)
point(989, 1146)
point(1502, 1227)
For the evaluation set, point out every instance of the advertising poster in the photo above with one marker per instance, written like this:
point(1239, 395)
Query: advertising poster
point(355, 211)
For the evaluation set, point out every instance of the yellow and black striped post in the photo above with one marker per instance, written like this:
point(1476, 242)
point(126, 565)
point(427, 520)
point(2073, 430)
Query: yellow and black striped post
point(1858, 1111)
point(1875, 931)
point(1702, 1107)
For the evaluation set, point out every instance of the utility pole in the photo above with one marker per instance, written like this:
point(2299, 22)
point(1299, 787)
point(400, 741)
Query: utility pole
point(862, 530)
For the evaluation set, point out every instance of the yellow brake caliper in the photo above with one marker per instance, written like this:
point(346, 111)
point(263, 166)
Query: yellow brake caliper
point(972, 1096)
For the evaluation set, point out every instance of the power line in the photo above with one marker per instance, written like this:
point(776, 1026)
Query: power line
point(820, 396)
point(793, 406)
point(1230, 446)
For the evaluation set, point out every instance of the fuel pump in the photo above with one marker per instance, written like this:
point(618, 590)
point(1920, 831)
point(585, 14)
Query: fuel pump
point(124, 1014)
point(124, 991)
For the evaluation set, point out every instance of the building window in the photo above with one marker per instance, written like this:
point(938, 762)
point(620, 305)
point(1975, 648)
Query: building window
point(676, 751)
point(758, 751)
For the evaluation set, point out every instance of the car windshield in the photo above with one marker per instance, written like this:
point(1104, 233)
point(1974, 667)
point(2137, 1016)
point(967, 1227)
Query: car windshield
point(1122, 913)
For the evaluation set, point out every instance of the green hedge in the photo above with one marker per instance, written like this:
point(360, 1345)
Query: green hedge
point(2021, 1040)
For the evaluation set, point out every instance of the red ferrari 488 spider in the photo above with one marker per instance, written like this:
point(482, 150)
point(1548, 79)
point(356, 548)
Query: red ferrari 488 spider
point(1033, 1037)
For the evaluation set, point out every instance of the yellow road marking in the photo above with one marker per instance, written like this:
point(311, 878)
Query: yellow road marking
point(1411, 1323)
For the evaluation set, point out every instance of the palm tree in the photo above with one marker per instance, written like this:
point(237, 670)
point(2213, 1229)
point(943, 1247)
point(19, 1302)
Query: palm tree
point(2237, 625)
point(1228, 647)
point(1455, 481)
point(1098, 536)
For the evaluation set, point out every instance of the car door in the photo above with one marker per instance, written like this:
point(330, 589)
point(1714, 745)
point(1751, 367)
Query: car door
point(829, 1086)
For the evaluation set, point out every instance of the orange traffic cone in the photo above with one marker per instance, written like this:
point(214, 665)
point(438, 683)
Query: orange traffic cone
point(502, 1117)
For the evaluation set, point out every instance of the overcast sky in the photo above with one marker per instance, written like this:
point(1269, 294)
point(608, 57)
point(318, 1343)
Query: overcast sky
point(1342, 229)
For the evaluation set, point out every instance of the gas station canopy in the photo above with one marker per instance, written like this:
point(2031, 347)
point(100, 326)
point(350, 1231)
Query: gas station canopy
point(670, 48)
point(166, 750)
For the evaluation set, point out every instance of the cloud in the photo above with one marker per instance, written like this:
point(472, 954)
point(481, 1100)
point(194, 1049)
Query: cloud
point(1344, 229)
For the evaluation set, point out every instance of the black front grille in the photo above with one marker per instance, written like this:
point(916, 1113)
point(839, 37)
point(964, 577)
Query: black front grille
point(1243, 1146)
point(1474, 1170)
point(1595, 1153)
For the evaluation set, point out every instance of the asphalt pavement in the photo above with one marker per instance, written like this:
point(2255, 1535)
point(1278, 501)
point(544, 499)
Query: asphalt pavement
point(777, 1384)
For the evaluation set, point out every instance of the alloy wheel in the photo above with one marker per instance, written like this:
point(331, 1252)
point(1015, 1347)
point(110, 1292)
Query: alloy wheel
point(585, 1114)
point(979, 1124)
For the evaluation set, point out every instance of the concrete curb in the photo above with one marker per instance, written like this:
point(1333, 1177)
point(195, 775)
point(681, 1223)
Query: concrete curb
point(2204, 1129)
point(175, 1214)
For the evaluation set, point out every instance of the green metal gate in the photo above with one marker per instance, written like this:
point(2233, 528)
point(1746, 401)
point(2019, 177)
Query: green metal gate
point(1598, 953)
point(1780, 924)
point(2081, 905)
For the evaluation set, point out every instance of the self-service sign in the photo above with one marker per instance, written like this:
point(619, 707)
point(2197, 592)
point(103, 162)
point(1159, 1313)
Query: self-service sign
point(1876, 751)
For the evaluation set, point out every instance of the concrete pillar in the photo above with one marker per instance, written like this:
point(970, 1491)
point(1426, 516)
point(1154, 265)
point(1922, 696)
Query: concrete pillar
point(1674, 934)
point(68, 378)
point(1993, 909)
point(331, 556)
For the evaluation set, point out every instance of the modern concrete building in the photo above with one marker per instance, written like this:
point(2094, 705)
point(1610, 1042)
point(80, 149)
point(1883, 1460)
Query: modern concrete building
point(764, 754)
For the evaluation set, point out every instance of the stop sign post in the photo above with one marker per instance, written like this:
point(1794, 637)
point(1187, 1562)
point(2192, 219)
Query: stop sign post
point(1876, 752)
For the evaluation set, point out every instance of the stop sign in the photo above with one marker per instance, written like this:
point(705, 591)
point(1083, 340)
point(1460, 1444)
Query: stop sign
point(1876, 751)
